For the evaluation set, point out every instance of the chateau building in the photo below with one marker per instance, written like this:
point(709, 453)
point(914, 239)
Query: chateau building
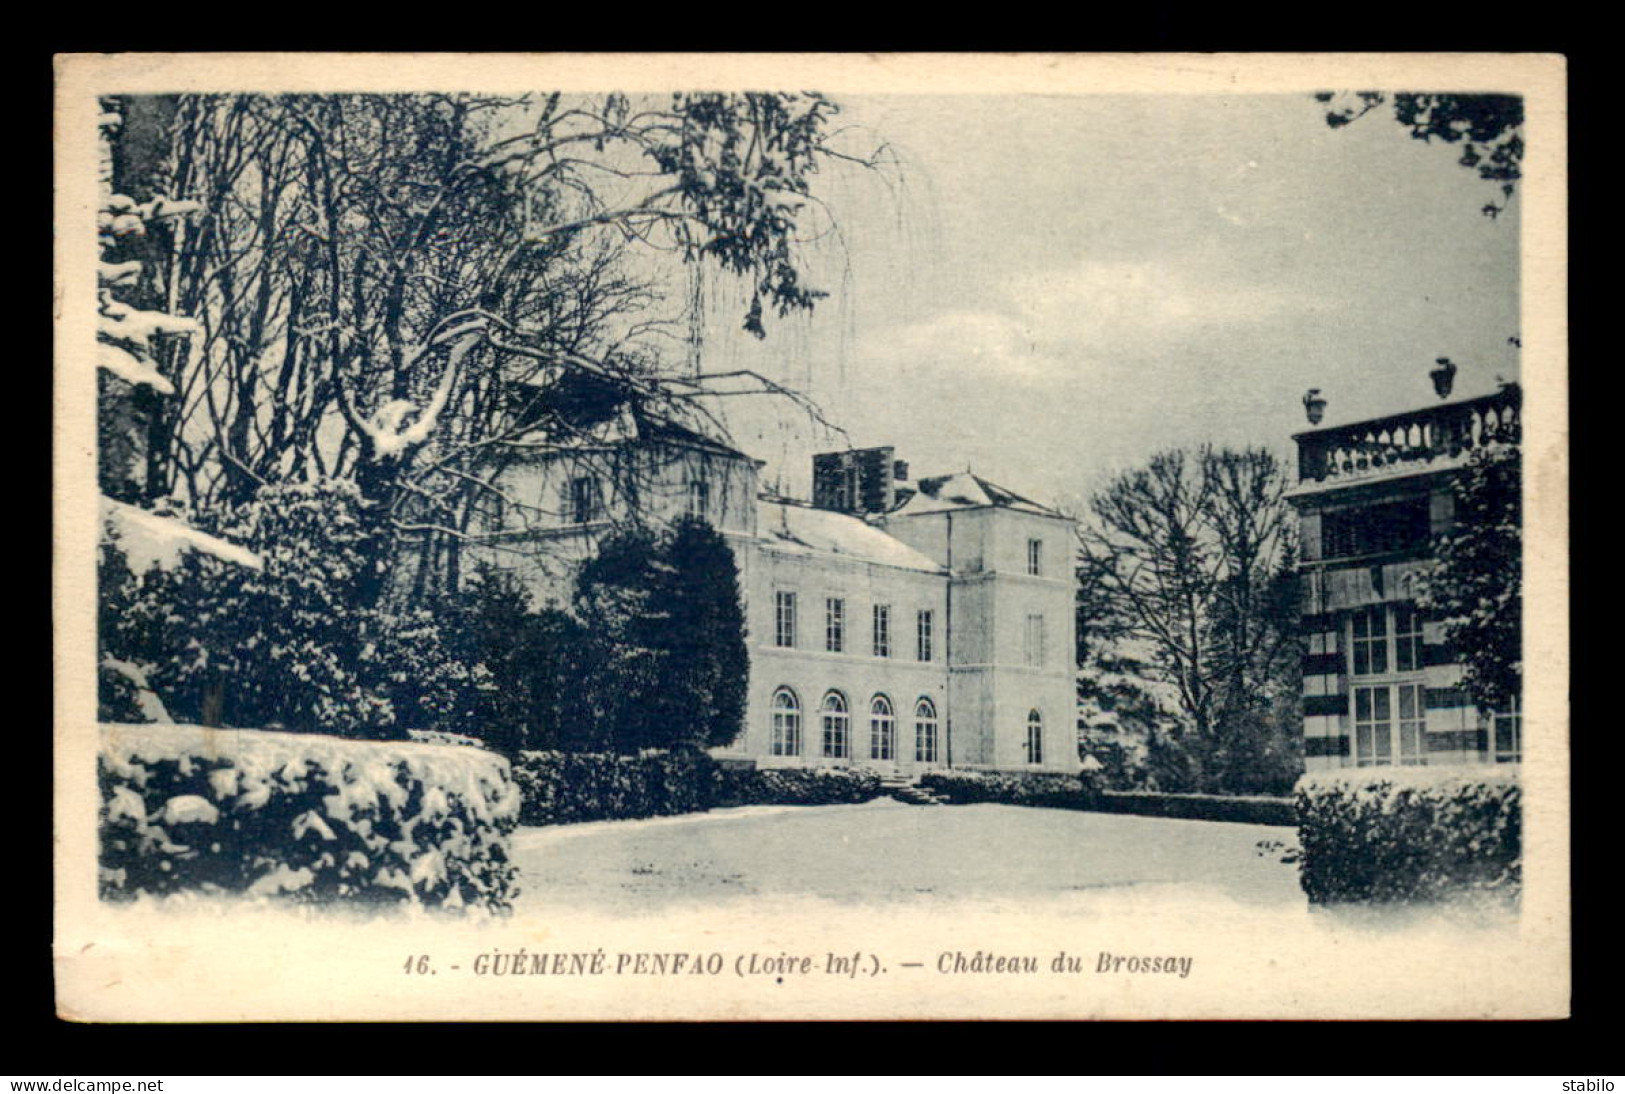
point(895, 625)
point(1380, 685)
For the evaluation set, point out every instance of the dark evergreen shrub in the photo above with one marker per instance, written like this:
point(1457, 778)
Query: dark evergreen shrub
point(572, 787)
point(798, 786)
point(1009, 788)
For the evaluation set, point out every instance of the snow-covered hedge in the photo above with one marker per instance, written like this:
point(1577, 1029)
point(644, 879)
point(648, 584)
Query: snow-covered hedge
point(1419, 833)
point(798, 786)
point(1236, 808)
point(571, 787)
point(1009, 788)
point(306, 817)
point(1056, 791)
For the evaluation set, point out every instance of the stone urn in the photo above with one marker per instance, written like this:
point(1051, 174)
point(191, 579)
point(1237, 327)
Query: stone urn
point(1443, 375)
point(1314, 405)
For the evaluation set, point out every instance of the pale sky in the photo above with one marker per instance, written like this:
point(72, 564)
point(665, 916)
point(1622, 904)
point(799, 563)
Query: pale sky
point(1048, 288)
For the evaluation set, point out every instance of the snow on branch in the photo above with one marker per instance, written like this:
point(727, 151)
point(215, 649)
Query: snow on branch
point(149, 540)
point(385, 431)
point(131, 369)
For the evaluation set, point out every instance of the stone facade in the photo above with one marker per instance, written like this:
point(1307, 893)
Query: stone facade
point(899, 627)
point(1380, 686)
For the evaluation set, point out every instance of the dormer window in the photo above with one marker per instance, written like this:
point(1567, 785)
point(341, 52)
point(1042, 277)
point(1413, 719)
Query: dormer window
point(699, 499)
point(584, 502)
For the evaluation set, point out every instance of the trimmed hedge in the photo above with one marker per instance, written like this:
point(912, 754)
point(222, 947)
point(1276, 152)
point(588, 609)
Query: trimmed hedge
point(798, 786)
point(1009, 788)
point(1237, 809)
point(1397, 834)
point(572, 787)
point(1056, 791)
point(303, 817)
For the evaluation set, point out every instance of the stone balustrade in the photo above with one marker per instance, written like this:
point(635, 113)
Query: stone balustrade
point(1412, 440)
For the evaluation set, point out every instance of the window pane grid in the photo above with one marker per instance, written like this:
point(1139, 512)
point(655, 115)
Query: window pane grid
point(1407, 638)
point(882, 628)
point(786, 724)
point(837, 723)
point(1370, 652)
point(1507, 727)
point(923, 623)
point(881, 729)
point(834, 625)
point(784, 619)
point(1390, 725)
point(925, 732)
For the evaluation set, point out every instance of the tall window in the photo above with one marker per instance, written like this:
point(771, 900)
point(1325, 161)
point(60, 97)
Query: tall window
point(1035, 557)
point(784, 619)
point(882, 630)
point(1390, 723)
point(583, 499)
point(837, 726)
point(922, 636)
point(1033, 645)
point(882, 729)
point(1035, 737)
point(834, 624)
point(786, 723)
point(925, 732)
point(699, 498)
point(1507, 728)
point(1370, 647)
point(1390, 715)
point(1407, 638)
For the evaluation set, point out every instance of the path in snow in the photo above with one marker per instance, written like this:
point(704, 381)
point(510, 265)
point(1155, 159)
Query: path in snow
point(884, 851)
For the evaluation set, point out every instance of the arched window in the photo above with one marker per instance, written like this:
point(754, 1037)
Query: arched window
point(882, 729)
point(837, 726)
point(925, 732)
point(786, 723)
point(1035, 737)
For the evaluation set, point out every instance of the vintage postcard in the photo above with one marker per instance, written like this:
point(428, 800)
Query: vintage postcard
point(548, 537)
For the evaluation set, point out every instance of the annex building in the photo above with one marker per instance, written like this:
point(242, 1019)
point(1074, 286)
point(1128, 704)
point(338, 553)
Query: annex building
point(894, 624)
point(1380, 686)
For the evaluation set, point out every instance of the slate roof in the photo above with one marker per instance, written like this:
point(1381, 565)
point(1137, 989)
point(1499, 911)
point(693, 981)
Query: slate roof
point(967, 490)
point(796, 528)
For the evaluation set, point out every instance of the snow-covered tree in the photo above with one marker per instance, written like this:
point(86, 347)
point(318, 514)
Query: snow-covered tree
point(285, 645)
point(131, 343)
point(375, 273)
point(1475, 586)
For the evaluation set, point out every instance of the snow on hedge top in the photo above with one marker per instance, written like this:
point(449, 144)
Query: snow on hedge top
point(363, 772)
point(800, 529)
point(1437, 777)
point(149, 540)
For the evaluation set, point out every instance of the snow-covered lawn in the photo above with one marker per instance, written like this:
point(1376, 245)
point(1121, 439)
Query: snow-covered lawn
point(884, 851)
point(914, 889)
